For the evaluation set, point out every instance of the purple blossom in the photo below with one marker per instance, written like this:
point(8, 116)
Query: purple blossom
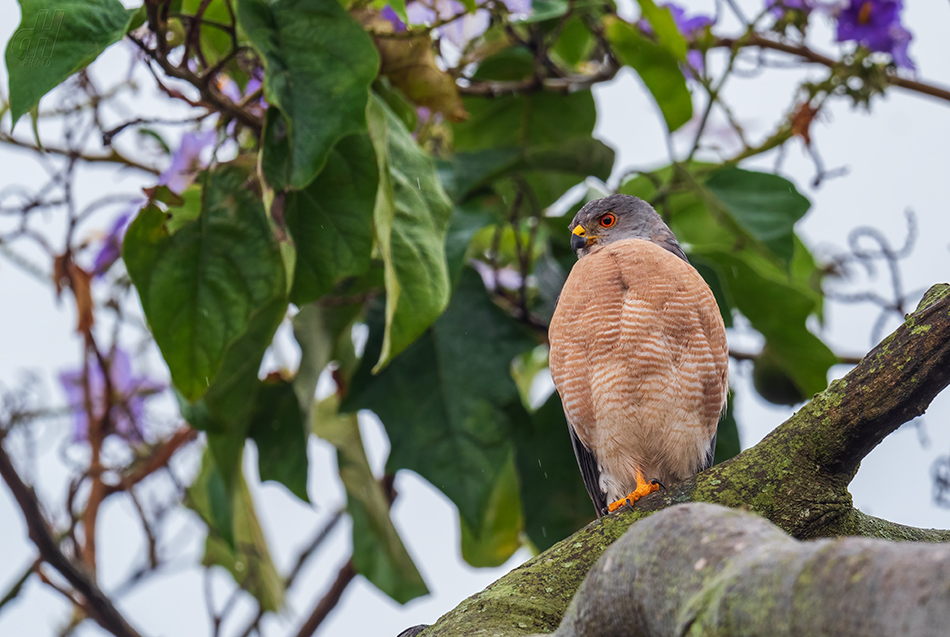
point(111, 248)
point(129, 393)
point(398, 25)
point(186, 161)
point(689, 27)
point(876, 25)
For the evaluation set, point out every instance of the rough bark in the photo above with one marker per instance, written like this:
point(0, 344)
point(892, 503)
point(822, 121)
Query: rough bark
point(796, 477)
point(702, 569)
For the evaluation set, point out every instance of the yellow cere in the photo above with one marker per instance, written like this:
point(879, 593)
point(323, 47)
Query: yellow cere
point(579, 231)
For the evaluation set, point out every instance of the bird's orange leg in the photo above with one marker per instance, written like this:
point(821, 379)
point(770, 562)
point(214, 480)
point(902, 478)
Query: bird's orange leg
point(644, 487)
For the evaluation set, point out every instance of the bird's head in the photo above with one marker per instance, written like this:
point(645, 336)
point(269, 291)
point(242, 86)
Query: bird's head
point(619, 217)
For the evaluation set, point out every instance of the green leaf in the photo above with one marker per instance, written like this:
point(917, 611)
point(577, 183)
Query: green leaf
point(500, 533)
point(411, 220)
point(779, 309)
point(215, 43)
point(218, 278)
point(664, 26)
point(765, 205)
point(727, 436)
point(319, 65)
point(772, 382)
point(55, 40)
point(443, 399)
point(656, 66)
point(331, 220)
point(575, 44)
point(555, 500)
point(467, 219)
point(525, 120)
point(378, 552)
point(250, 563)
point(279, 430)
point(467, 171)
point(324, 335)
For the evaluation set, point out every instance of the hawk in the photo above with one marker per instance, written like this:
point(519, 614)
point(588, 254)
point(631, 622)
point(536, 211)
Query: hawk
point(638, 354)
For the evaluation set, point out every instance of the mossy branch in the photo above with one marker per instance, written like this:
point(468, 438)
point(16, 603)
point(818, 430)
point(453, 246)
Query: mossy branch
point(702, 569)
point(796, 477)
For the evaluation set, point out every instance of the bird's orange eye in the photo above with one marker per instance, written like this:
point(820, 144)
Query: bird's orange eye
point(608, 220)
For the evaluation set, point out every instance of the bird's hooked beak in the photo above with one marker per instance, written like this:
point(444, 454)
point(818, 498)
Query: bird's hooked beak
point(578, 238)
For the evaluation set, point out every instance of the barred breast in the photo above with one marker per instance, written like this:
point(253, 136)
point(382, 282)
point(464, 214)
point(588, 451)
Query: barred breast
point(639, 358)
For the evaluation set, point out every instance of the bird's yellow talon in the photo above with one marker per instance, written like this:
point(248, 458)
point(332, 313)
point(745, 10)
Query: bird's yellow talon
point(644, 487)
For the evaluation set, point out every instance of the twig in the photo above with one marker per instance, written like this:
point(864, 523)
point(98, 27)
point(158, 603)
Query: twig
point(329, 601)
point(114, 157)
point(98, 605)
point(18, 585)
point(756, 40)
point(158, 459)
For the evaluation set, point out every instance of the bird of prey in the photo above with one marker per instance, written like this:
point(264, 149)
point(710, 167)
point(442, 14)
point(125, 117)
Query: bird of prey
point(638, 354)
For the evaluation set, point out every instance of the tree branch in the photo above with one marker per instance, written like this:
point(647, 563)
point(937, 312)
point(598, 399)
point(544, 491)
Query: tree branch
point(796, 477)
point(665, 577)
point(97, 603)
point(814, 57)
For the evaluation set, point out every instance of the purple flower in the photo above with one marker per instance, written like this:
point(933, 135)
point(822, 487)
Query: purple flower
point(876, 25)
point(111, 248)
point(398, 25)
point(186, 161)
point(689, 27)
point(128, 397)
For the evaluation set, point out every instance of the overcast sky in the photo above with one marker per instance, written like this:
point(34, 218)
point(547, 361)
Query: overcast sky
point(896, 159)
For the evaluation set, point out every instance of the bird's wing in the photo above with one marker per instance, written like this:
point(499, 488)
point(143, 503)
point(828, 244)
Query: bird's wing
point(710, 453)
point(590, 472)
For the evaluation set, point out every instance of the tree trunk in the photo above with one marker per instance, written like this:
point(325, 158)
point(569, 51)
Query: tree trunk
point(703, 569)
point(796, 477)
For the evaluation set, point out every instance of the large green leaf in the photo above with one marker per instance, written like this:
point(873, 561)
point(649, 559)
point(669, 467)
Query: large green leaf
point(765, 205)
point(411, 219)
point(378, 552)
point(525, 120)
point(216, 279)
point(279, 430)
point(319, 66)
point(443, 399)
point(324, 335)
point(331, 220)
point(657, 67)
point(727, 435)
point(779, 309)
point(581, 156)
point(55, 40)
point(467, 219)
point(555, 500)
point(500, 533)
point(241, 549)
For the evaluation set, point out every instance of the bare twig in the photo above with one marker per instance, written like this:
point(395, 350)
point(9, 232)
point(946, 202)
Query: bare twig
point(98, 605)
point(329, 601)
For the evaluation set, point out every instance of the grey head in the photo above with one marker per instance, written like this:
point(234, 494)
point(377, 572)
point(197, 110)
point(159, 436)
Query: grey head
point(619, 217)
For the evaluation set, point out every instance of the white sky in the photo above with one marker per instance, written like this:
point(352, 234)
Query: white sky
point(897, 158)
